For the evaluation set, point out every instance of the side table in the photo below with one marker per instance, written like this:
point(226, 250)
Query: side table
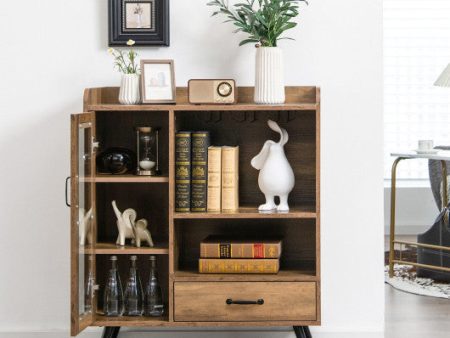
point(442, 156)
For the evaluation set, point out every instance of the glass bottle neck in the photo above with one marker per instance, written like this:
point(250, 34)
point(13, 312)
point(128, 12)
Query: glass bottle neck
point(153, 270)
point(133, 268)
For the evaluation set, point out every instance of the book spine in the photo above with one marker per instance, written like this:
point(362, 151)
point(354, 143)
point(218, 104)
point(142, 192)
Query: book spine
point(238, 265)
point(182, 171)
point(240, 250)
point(199, 176)
point(230, 178)
point(214, 178)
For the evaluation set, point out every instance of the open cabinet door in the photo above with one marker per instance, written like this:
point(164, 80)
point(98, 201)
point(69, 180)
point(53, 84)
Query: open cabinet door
point(83, 227)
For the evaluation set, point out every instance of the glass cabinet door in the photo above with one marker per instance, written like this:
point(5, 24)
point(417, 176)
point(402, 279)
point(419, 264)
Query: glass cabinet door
point(82, 222)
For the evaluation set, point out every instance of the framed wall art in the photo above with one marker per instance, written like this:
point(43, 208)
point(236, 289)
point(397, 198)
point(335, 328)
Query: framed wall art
point(158, 81)
point(144, 21)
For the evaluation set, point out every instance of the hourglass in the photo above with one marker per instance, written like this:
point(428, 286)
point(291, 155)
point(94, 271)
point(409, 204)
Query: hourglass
point(147, 151)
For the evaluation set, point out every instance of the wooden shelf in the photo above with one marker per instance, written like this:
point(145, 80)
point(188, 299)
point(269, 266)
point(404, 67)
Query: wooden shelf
point(250, 212)
point(113, 249)
point(283, 275)
point(126, 179)
point(207, 107)
point(101, 320)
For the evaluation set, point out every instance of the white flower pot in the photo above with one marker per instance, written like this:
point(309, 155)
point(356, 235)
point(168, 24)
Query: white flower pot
point(269, 76)
point(129, 89)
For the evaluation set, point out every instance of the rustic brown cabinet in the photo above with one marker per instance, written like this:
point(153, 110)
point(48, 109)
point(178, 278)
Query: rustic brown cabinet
point(291, 297)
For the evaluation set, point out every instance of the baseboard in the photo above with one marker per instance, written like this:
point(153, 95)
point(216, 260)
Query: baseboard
point(275, 333)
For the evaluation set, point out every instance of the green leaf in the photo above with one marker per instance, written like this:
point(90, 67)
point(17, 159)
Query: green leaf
point(243, 42)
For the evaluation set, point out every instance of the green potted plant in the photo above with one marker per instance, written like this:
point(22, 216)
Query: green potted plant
point(126, 64)
point(264, 21)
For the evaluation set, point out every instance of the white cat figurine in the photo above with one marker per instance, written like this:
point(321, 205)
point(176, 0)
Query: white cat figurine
point(276, 177)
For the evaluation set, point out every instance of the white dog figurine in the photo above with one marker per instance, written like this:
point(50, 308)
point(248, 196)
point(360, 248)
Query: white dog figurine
point(129, 228)
point(276, 177)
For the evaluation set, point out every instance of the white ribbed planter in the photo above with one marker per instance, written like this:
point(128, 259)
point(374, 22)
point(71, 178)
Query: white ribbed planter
point(269, 76)
point(129, 89)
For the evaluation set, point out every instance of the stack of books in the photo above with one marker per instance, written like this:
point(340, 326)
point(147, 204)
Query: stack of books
point(219, 254)
point(206, 177)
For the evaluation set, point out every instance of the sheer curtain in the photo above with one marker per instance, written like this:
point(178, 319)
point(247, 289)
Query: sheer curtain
point(416, 50)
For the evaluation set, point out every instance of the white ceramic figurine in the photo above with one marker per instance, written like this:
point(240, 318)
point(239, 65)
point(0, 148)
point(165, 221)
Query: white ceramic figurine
point(276, 177)
point(130, 228)
point(85, 226)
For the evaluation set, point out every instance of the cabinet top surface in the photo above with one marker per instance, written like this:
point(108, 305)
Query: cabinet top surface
point(297, 98)
point(197, 107)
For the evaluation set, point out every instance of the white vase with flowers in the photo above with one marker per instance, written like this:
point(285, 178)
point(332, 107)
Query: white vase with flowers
point(126, 63)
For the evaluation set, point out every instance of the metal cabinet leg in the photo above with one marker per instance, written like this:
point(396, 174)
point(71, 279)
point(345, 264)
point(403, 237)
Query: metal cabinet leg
point(302, 332)
point(111, 332)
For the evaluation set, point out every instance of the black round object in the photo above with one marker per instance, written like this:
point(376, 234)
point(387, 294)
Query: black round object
point(116, 161)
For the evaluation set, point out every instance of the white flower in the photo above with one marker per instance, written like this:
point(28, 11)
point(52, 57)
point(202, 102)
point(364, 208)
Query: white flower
point(110, 50)
point(131, 42)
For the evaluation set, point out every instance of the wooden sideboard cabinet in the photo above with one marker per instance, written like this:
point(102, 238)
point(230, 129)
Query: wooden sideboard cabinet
point(291, 297)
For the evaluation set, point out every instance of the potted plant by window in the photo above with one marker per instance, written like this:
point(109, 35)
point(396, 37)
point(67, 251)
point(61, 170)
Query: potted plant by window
point(127, 65)
point(264, 21)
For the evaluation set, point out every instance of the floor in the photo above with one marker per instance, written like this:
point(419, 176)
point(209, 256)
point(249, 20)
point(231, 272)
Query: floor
point(412, 316)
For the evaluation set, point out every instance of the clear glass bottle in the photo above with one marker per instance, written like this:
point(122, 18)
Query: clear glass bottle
point(113, 296)
point(134, 295)
point(153, 303)
point(89, 287)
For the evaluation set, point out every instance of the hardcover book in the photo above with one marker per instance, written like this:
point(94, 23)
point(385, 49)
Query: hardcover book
point(223, 247)
point(214, 179)
point(199, 174)
point(211, 265)
point(182, 171)
point(230, 178)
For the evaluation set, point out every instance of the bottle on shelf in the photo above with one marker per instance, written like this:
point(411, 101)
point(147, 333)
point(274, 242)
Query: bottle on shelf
point(89, 287)
point(113, 296)
point(134, 295)
point(153, 303)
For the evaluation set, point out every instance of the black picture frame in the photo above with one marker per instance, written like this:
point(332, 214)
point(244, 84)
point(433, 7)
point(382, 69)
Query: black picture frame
point(155, 31)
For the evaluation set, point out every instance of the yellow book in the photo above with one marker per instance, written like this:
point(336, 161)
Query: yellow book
point(238, 265)
point(230, 178)
point(214, 178)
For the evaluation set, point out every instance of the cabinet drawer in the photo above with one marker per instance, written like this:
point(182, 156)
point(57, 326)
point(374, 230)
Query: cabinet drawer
point(278, 301)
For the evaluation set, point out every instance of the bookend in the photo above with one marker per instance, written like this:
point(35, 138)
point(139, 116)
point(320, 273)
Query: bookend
point(111, 332)
point(302, 332)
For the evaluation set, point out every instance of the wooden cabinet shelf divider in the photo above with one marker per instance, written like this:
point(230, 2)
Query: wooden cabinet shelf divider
point(113, 249)
point(249, 212)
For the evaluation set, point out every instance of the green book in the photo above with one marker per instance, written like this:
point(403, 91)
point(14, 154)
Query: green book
point(182, 171)
point(199, 173)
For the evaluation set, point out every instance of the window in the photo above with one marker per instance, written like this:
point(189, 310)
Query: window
point(416, 51)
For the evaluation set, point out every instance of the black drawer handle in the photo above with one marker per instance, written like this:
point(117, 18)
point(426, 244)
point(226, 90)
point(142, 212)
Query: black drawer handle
point(245, 302)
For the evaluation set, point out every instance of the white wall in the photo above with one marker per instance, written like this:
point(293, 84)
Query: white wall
point(52, 49)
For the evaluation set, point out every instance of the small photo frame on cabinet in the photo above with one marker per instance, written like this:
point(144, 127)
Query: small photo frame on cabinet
point(144, 21)
point(158, 81)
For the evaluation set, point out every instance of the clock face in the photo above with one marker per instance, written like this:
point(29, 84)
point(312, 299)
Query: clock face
point(224, 89)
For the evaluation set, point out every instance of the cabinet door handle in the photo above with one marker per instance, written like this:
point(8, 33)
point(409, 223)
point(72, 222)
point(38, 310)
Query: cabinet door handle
point(67, 189)
point(229, 301)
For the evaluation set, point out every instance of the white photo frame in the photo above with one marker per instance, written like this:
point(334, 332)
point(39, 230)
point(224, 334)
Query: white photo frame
point(158, 81)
